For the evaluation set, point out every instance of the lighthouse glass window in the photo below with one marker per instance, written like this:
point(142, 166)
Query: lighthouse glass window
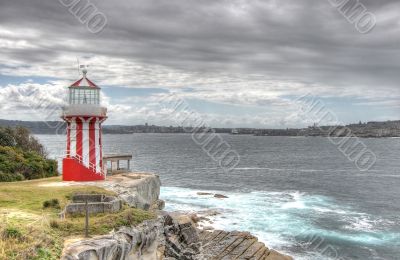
point(81, 96)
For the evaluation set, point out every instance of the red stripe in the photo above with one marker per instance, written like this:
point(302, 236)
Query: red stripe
point(68, 139)
point(101, 148)
point(79, 127)
point(92, 141)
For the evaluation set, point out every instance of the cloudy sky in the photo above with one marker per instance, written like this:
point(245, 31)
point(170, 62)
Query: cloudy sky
point(237, 63)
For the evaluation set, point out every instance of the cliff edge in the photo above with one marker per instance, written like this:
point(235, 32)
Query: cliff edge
point(170, 236)
point(138, 190)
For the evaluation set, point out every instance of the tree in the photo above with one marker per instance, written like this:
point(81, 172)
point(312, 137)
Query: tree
point(7, 137)
point(22, 138)
point(23, 157)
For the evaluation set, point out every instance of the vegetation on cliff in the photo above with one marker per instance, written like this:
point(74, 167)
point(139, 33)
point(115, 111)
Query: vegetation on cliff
point(22, 157)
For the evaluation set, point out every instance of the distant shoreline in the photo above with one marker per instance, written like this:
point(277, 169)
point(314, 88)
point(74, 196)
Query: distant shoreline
point(364, 137)
point(362, 130)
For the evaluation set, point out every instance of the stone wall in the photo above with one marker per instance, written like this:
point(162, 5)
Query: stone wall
point(97, 203)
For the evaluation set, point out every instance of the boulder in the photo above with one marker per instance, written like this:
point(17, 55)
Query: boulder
point(204, 193)
point(137, 190)
point(220, 196)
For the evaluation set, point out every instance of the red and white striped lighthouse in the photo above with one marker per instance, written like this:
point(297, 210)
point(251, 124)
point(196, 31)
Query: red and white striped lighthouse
point(84, 116)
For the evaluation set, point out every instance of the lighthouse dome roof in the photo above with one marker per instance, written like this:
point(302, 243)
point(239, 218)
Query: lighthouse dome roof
point(84, 82)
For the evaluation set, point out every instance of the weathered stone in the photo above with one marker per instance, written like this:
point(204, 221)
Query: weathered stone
point(220, 196)
point(226, 254)
point(213, 235)
point(137, 190)
point(204, 193)
point(160, 204)
point(170, 238)
point(240, 248)
point(274, 255)
point(189, 234)
point(260, 254)
point(208, 228)
point(126, 243)
point(97, 203)
point(252, 250)
point(88, 197)
point(194, 217)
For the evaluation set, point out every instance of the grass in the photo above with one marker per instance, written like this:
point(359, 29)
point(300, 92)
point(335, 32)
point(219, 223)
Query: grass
point(30, 195)
point(31, 230)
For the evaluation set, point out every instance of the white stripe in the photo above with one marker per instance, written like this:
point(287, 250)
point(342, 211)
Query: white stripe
point(72, 138)
point(97, 144)
point(85, 143)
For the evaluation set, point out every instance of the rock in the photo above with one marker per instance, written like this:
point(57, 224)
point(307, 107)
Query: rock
point(160, 204)
point(183, 241)
point(220, 196)
point(235, 245)
point(165, 237)
point(208, 228)
point(210, 212)
point(274, 255)
point(171, 237)
point(137, 190)
point(182, 219)
point(204, 193)
point(188, 233)
point(194, 217)
point(127, 243)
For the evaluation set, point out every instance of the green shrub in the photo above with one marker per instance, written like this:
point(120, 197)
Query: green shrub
point(16, 164)
point(8, 177)
point(53, 203)
point(43, 254)
point(54, 223)
point(21, 137)
point(7, 136)
point(12, 232)
point(23, 157)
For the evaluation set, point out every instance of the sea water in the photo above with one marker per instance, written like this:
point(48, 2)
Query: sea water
point(299, 195)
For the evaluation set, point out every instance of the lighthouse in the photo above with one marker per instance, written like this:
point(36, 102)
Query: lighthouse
point(83, 116)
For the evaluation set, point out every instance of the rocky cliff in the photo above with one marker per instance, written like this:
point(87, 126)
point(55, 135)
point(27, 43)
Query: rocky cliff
point(170, 238)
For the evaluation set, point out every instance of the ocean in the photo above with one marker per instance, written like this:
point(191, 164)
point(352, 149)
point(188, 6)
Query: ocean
point(299, 195)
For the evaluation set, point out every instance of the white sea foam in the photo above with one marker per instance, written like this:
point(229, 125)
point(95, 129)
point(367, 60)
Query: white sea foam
point(277, 218)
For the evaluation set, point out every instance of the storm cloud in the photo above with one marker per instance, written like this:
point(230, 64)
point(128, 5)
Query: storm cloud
point(231, 52)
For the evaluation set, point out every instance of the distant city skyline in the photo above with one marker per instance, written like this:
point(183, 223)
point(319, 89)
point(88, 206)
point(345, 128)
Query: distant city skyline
point(237, 63)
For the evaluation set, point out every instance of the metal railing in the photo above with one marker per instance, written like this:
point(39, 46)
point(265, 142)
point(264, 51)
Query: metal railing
point(91, 166)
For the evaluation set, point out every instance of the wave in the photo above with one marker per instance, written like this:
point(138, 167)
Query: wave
point(284, 219)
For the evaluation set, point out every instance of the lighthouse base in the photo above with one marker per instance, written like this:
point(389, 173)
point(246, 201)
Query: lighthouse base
point(74, 171)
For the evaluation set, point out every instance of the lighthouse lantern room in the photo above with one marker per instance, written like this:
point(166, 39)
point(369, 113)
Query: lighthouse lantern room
point(84, 116)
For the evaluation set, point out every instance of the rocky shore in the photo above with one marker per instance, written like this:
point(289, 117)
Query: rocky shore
point(170, 236)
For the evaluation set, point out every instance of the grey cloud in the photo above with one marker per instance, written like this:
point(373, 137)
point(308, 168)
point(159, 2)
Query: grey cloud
point(307, 42)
